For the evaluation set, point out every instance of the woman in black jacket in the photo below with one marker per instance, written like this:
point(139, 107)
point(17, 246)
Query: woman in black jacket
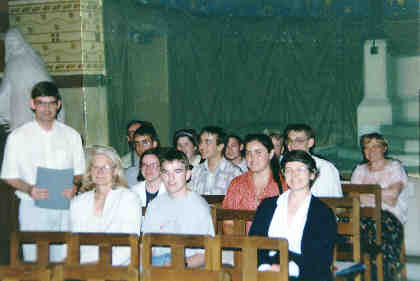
point(296, 215)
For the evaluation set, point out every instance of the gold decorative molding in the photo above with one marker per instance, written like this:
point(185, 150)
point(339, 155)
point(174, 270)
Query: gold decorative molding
point(67, 34)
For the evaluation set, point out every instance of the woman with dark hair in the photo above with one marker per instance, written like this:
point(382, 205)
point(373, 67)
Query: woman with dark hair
point(262, 180)
point(305, 221)
point(391, 176)
point(185, 140)
point(152, 186)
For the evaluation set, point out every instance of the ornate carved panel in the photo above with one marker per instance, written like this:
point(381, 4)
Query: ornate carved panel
point(67, 34)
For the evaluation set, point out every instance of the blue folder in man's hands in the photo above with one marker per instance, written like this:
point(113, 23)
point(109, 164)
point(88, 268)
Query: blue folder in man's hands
point(56, 181)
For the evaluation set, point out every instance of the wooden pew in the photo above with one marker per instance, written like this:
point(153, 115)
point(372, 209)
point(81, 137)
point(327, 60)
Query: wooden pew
point(371, 212)
point(247, 269)
point(347, 212)
point(239, 218)
point(177, 269)
point(214, 200)
point(103, 269)
point(41, 268)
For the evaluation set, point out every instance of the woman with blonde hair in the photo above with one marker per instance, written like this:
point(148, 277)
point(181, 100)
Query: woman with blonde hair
point(391, 176)
point(105, 205)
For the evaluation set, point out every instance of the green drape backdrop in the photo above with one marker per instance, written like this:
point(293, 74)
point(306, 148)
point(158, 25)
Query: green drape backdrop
point(245, 74)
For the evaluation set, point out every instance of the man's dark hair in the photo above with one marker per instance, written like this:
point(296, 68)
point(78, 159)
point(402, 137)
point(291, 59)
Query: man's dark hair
point(153, 151)
point(299, 128)
point(173, 154)
point(45, 89)
point(147, 129)
point(217, 131)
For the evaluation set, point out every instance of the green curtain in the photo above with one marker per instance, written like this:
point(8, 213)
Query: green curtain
point(244, 74)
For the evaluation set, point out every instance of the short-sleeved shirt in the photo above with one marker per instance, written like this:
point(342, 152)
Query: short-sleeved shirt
point(241, 193)
point(328, 182)
point(205, 182)
point(29, 147)
point(188, 215)
point(392, 173)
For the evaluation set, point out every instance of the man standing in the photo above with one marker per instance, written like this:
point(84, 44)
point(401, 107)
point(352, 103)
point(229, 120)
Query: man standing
point(301, 137)
point(233, 152)
point(43, 142)
point(213, 176)
point(179, 211)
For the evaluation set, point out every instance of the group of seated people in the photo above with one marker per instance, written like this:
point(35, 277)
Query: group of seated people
point(275, 175)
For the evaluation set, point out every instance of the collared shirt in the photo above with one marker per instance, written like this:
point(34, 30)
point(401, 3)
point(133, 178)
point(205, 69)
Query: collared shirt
point(328, 182)
point(205, 182)
point(29, 147)
point(242, 166)
point(241, 194)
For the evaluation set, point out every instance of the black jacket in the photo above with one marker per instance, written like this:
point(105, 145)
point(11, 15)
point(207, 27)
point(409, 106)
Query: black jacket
point(317, 243)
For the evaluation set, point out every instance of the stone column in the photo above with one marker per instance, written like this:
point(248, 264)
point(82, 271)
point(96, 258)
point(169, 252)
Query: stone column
point(375, 109)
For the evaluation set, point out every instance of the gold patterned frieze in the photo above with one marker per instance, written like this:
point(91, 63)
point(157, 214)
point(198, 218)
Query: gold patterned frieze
point(67, 34)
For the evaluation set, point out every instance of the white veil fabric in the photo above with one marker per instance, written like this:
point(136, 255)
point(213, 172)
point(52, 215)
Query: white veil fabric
point(24, 68)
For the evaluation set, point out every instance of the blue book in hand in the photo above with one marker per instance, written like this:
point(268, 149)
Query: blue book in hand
point(56, 181)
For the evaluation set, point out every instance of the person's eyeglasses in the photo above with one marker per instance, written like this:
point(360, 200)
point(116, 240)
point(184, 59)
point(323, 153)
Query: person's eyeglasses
point(151, 166)
point(298, 171)
point(105, 168)
point(297, 140)
point(143, 143)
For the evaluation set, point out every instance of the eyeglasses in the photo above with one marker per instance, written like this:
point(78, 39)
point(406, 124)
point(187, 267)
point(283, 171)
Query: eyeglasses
point(298, 171)
point(105, 168)
point(151, 166)
point(297, 140)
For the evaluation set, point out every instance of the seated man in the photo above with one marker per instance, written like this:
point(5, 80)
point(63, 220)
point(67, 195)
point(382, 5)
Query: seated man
point(179, 211)
point(130, 159)
point(213, 176)
point(278, 143)
point(301, 137)
point(234, 152)
point(145, 138)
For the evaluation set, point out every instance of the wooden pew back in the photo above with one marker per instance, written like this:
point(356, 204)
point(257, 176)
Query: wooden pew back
point(239, 218)
point(247, 269)
point(371, 212)
point(347, 212)
point(103, 269)
point(177, 269)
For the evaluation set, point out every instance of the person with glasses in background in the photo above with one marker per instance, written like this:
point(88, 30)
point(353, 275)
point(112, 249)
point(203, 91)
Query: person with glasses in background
point(145, 138)
point(302, 137)
point(105, 204)
point(152, 186)
point(131, 158)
